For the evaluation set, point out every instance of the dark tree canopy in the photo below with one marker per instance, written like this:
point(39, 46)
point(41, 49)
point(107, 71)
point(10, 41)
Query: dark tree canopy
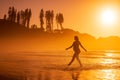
point(23, 17)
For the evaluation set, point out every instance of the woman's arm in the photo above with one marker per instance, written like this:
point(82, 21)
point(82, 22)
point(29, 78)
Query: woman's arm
point(82, 46)
point(69, 47)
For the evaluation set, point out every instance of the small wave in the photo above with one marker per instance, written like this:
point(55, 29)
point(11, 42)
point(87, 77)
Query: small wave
point(85, 67)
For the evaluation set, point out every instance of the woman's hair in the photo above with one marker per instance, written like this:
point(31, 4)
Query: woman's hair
point(76, 38)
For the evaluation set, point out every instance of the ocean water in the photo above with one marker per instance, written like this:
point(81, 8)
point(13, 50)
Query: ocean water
point(52, 65)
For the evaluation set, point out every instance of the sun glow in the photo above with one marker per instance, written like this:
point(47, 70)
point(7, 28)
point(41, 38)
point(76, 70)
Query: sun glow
point(108, 17)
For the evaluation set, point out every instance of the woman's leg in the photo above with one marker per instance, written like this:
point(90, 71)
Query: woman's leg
point(77, 57)
point(73, 58)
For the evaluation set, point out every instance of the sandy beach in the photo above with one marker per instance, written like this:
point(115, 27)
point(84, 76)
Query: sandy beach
point(97, 65)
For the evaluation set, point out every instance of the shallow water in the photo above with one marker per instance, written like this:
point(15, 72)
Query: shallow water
point(97, 65)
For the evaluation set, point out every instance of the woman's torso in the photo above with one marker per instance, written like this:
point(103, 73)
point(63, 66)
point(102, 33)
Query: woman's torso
point(76, 46)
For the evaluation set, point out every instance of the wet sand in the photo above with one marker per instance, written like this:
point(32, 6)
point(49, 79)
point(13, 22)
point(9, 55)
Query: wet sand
point(53, 66)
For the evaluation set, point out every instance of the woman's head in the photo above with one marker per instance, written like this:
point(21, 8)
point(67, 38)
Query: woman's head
point(76, 38)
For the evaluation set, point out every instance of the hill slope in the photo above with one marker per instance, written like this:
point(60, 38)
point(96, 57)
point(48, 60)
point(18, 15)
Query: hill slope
point(16, 37)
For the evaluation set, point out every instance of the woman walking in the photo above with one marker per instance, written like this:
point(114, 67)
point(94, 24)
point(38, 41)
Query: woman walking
point(76, 50)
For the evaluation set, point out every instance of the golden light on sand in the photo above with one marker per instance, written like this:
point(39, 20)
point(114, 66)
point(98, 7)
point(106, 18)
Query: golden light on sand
point(108, 17)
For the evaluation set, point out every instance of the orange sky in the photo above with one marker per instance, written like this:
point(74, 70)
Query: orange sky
point(80, 15)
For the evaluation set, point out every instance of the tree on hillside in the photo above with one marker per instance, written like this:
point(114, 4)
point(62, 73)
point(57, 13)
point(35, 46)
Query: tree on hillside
point(18, 17)
point(48, 24)
point(29, 17)
point(12, 14)
point(41, 19)
point(51, 18)
point(22, 18)
point(26, 16)
point(59, 20)
point(9, 14)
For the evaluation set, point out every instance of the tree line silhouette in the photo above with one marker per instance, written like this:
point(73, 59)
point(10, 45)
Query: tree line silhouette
point(20, 17)
point(23, 18)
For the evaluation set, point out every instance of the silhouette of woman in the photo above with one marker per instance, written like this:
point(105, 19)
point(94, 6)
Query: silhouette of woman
point(76, 49)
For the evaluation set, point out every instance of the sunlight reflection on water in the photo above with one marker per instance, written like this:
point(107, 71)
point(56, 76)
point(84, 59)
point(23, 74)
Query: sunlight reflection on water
point(108, 61)
point(106, 74)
